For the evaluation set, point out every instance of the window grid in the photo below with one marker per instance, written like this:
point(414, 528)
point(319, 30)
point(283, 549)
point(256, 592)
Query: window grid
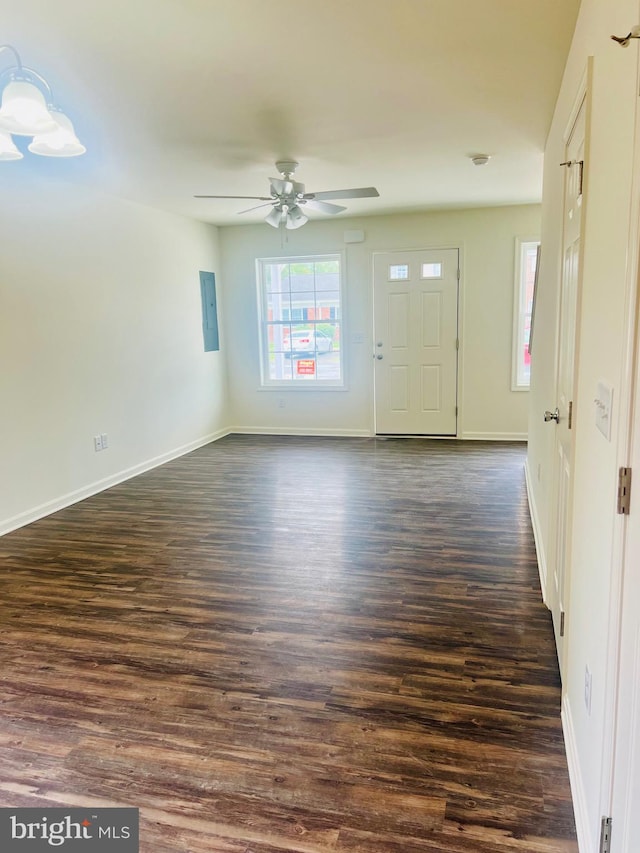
point(300, 343)
point(399, 272)
point(432, 270)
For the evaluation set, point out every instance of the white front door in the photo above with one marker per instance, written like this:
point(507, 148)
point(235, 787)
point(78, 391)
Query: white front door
point(561, 507)
point(416, 342)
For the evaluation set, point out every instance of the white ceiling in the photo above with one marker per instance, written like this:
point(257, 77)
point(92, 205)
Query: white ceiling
point(177, 97)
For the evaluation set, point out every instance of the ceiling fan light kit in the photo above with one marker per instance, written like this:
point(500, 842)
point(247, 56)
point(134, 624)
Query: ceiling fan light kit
point(288, 197)
point(28, 109)
point(295, 217)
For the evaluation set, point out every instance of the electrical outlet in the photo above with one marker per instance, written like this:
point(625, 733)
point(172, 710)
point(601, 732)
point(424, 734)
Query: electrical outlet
point(97, 443)
point(281, 403)
point(587, 689)
point(104, 438)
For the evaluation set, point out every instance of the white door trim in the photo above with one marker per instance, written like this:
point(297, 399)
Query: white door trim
point(429, 247)
point(437, 427)
point(628, 408)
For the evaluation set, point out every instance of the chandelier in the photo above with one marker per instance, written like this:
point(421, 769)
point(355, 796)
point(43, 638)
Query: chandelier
point(29, 109)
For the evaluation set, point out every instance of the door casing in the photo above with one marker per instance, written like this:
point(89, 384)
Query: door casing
point(426, 360)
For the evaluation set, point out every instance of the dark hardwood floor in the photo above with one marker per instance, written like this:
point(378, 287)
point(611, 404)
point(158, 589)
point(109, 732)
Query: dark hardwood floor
point(291, 644)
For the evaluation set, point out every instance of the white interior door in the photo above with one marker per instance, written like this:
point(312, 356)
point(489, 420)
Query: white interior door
point(416, 342)
point(626, 781)
point(625, 806)
point(563, 473)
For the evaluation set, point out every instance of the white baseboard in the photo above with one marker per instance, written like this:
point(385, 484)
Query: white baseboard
point(586, 843)
point(537, 533)
point(31, 515)
point(364, 433)
point(311, 431)
point(494, 436)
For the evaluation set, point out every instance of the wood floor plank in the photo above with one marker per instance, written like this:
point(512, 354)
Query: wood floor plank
point(291, 644)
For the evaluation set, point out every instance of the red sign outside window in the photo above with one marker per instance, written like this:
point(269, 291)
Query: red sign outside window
point(306, 367)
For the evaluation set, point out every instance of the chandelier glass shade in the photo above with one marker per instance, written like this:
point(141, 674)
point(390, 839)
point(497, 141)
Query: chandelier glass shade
point(28, 109)
point(8, 150)
point(59, 142)
point(24, 110)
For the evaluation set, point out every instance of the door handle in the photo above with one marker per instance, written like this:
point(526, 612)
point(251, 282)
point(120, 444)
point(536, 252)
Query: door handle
point(552, 416)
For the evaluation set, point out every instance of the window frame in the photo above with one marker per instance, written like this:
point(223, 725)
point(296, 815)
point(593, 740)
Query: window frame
point(266, 383)
point(520, 311)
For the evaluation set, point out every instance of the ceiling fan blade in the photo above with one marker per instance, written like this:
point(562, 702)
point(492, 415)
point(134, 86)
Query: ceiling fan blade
point(256, 197)
point(280, 187)
point(257, 207)
point(322, 206)
point(360, 192)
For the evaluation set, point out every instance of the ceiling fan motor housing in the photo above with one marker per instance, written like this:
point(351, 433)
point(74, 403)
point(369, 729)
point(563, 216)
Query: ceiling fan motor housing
point(287, 167)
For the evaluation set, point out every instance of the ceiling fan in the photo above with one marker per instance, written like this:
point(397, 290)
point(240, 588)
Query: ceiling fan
point(288, 198)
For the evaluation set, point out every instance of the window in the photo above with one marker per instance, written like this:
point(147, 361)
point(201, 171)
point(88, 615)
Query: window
point(431, 271)
point(527, 253)
point(398, 272)
point(301, 321)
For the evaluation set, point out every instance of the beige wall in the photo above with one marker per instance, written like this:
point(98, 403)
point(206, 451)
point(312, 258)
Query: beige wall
point(601, 353)
point(486, 237)
point(100, 331)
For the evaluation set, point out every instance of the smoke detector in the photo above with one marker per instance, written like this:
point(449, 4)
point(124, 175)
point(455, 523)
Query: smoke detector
point(480, 159)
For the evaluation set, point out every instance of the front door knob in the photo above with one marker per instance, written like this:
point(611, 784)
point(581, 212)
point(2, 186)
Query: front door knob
point(552, 416)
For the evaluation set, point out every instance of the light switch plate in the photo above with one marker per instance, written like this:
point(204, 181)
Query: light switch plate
point(604, 404)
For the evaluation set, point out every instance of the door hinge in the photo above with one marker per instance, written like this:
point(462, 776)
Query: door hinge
point(570, 414)
point(581, 179)
point(458, 273)
point(562, 623)
point(605, 835)
point(456, 411)
point(624, 491)
point(457, 344)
